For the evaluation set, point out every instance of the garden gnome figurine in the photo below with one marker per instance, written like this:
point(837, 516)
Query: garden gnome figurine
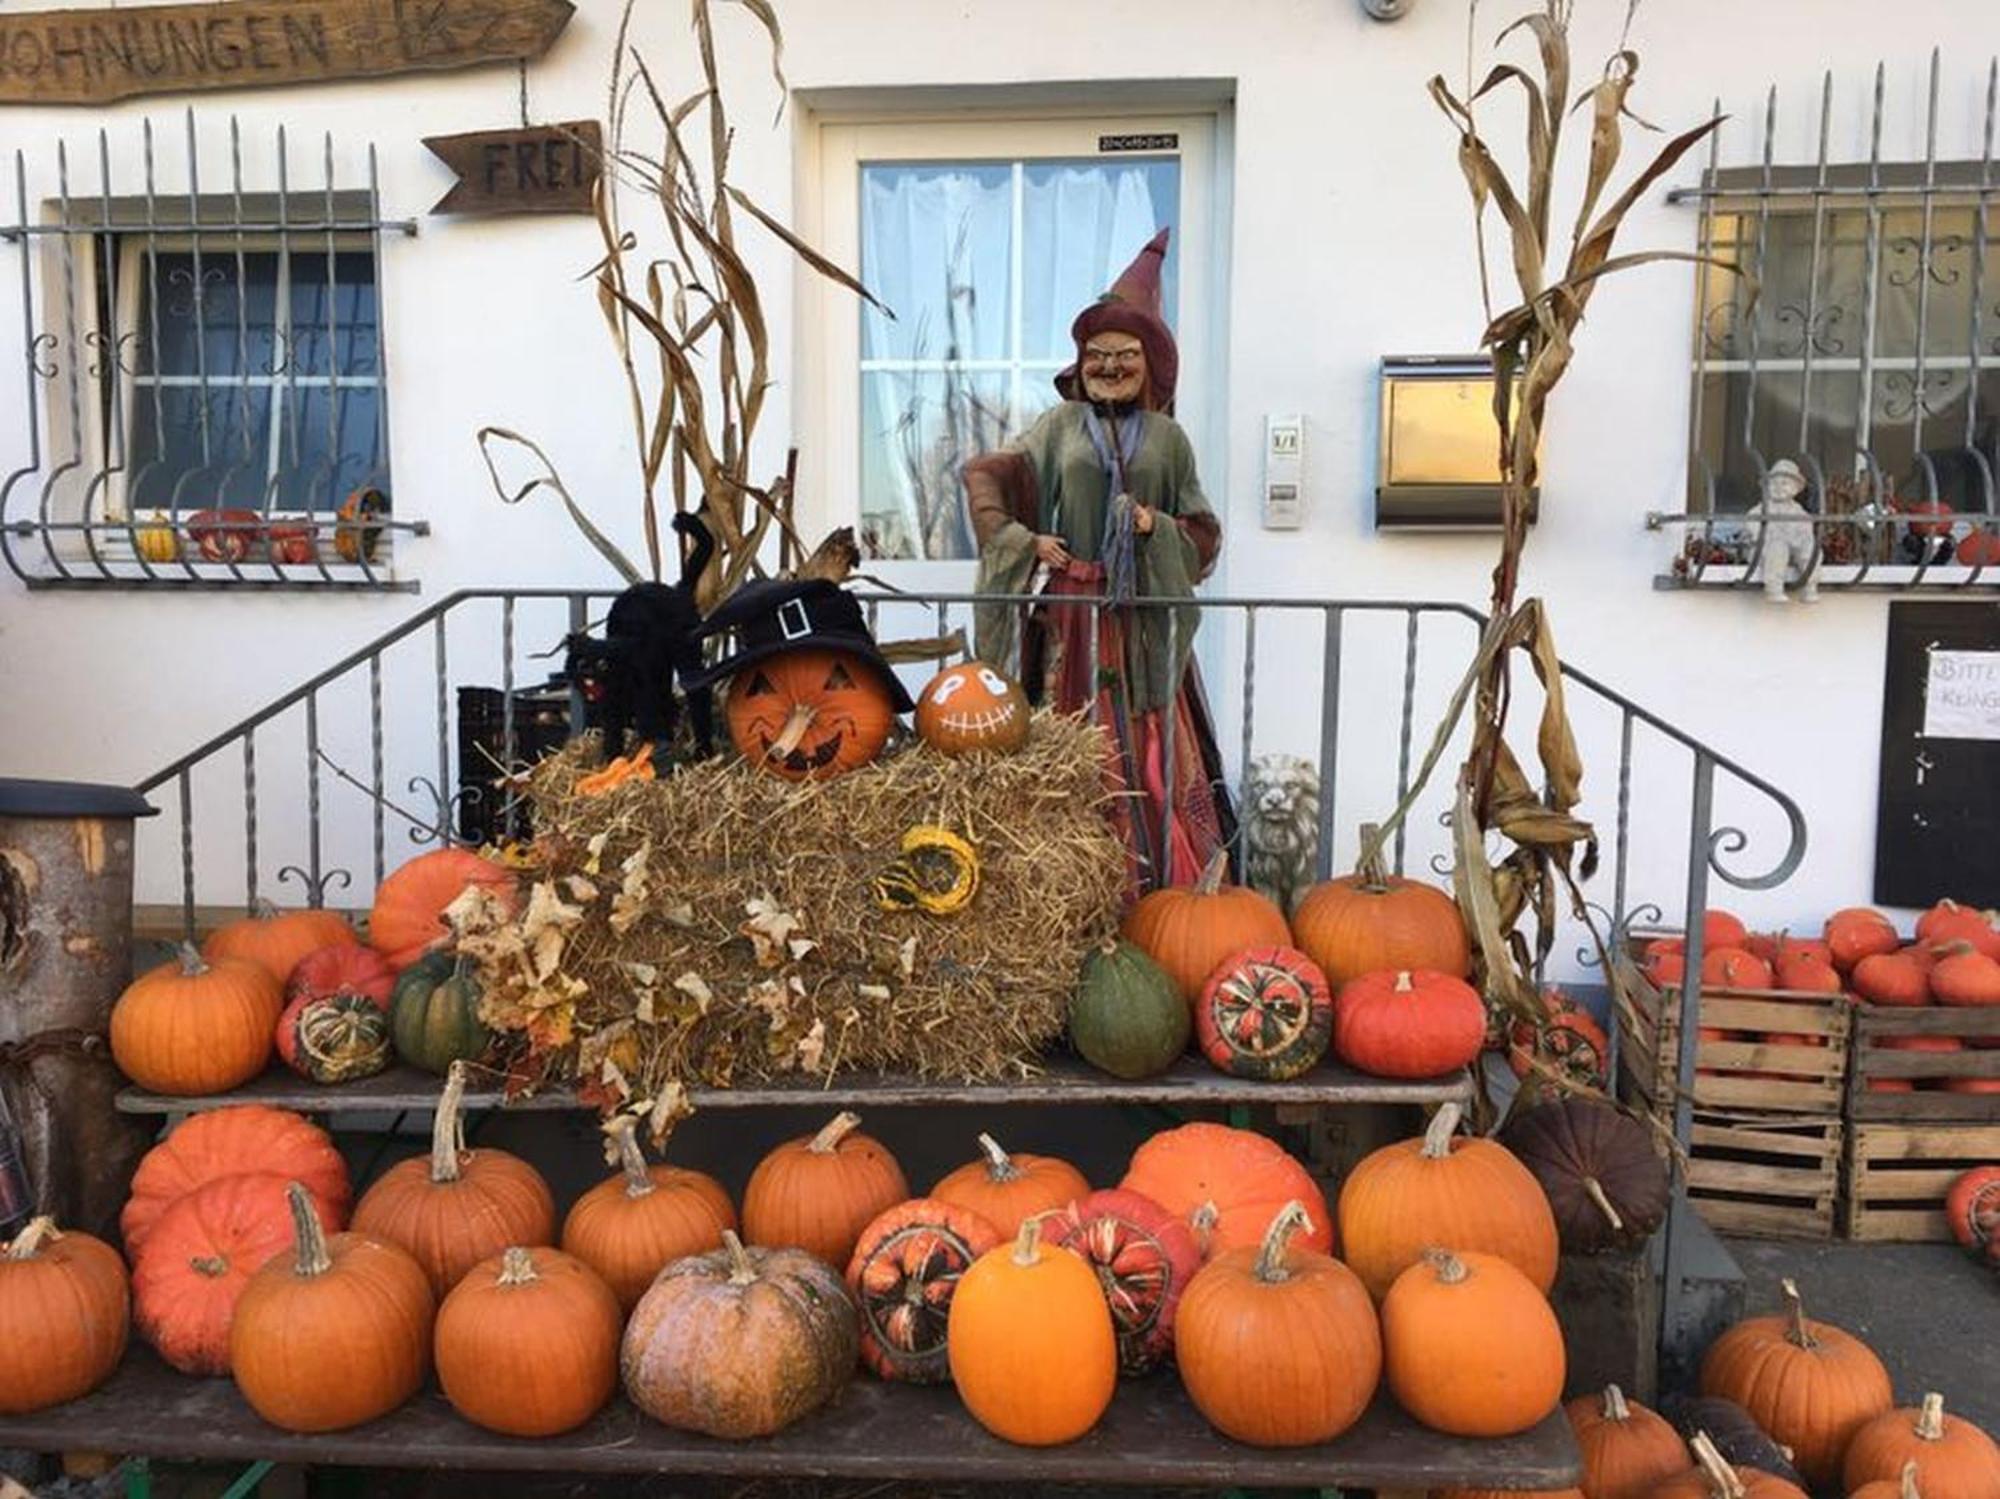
point(1790, 549)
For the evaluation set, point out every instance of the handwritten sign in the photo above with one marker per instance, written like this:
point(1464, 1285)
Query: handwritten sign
point(1962, 695)
point(538, 169)
point(96, 56)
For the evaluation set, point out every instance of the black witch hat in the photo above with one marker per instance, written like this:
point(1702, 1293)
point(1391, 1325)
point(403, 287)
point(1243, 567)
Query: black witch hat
point(773, 615)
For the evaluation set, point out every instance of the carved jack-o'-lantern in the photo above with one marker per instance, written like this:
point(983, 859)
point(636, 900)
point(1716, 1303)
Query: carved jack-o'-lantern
point(808, 715)
point(972, 707)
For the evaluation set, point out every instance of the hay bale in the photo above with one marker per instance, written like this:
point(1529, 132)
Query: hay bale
point(722, 925)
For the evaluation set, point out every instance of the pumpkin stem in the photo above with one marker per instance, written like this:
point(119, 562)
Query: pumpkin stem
point(1798, 1334)
point(1451, 1270)
point(517, 1267)
point(1404, 983)
point(1930, 1420)
point(1212, 873)
point(1028, 1242)
point(29, 1242)
point(794, 730)
point(1370, 873)
point(313, 1260)
point(1615, 1408)
point(1594, 1190)
point(208, 1265)
point(1723, 1481)
point(1956, 949)
point(1443, 1125)
point(741, 1271)
point(838, 1128)
point(447, 1128)
point(1000, 1166)
point(1910, 1480)
point(263, 909)
point(1291, 1219)
point(631, 1159)
point(193, 964)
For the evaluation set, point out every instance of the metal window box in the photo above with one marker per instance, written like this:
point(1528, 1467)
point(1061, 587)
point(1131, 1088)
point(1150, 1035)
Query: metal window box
point(1440, 449)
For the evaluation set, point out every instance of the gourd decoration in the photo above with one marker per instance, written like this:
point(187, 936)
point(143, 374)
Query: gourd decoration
point(1405, 1024)
point(1809, 1384)
point(1964, 975)
point(156, 540)
point(1127, 1018)
point(191, 1027)
point(335, 1025)
point(631, 1227)
point(276, 940)
point(64, 1316)
point(1472, 1194)
point(1734, 968)
point(1568, 1042)
point(357, 531)
point(819, 1191)
point(1903, 1486)
point(291, 543)
point(1003, 1189)
point(1145, 1258)
point(1030, 1341)
point(935, 872)
point(1188, 930)
point(1856, 933)
point(1893, 978)
point(225, 535)
point(1972, 1208)
point(1470, 1345)
point(1736, 1435)
point(1606, 1184)
point(527, 1343)
point(1227, 1185)
point(229, 1142)
point(905, 1271)
point(619, 771)
point(1713, 1478)
point(335, 1333)
point(1278, 1346)
point(458, 1206)
point(199, 1257)
point(739, 1343)
point(971, 708)
point(1372, 920)
point(807, 715)
point(1948, 921)
point(1627, 1449)
point(434, 1014)
point(1265, 1012)
point(1952, 1456)
point(408, 918)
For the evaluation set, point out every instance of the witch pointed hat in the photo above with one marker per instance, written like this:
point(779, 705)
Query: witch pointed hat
point(771, 615)
point(1132, 305)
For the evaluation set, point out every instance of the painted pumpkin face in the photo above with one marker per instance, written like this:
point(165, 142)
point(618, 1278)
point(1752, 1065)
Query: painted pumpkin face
point(809, 715)
point(972, 707)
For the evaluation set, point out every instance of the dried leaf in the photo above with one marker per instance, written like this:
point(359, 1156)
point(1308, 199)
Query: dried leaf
point(808, 254)
point(695, 987)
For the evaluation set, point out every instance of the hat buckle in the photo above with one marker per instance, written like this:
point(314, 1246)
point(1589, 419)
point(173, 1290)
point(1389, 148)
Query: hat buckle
point(793, 621)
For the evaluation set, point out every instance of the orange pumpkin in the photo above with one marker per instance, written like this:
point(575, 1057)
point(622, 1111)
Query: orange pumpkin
point(968, 708)
point(1372, 920)
point(1722, 929)
point(1003, 1189)
point(1734, 968)
point(1470, 1345)
point(1903, 1486)
point(1893, 978)
point(1278, 1346)
point(64, 1314)
point(1803, 972)
point(191, 1027)
point(459, 1206)
point(905, 1271)
point(1627, 1449)
point(818, 1192)
point(1030, 1342)
point(1856, 933)
point(807, 715)
point(1713, 1478)
point(631, 1227)
point(1948, 921)
point(333, 1334)
point(527, 1343)
point(1965, 976)
point(276, 940)
point(1470, 1194)
point(408, 918)
point(1189, 930)
point(1954, 1458)
point(227, 1142)
point(1407, 1024)
point(1809, 1384)
point(1228, 1184)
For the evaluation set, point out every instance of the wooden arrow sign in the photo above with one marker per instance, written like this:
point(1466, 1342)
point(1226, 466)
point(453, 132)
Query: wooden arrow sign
point(536, 169)
point(96, 56)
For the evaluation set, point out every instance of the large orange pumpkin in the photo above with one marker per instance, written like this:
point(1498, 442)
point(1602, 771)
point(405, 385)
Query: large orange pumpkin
point(1955, 1459)
point(527, 1343)
point(408, 918)
point(228, 1142)
point(333, 1334)
point(819, 1191)
point(1278, 1346)
point(1003, 1189)
point(1713, 1478)
point(631, 1227)
point(1228, 1184)
point(1189, 930)
point(1809, 1384)
point(1471, 1346)
point(1437, 1190)
point(190, 1027)
point(1627, 1449)
point(276, 940)
point(1372, 920)
point(458, 1206)
point(905, 1270)
point(64, 1314)
point(1030, 1342)
point(809, 714)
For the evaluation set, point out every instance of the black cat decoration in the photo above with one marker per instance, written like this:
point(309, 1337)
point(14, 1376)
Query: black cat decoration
point(650, 640)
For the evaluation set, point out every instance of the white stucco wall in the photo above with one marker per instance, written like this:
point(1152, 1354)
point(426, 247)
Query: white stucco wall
point(1347, 237)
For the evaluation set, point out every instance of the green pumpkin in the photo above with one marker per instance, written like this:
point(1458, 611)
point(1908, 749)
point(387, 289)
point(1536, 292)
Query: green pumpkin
point(435, 1014)
point(1127, 1018)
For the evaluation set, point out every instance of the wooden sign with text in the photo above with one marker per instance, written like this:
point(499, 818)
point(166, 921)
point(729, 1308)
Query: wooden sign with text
point(535, 169)
point(96, 56)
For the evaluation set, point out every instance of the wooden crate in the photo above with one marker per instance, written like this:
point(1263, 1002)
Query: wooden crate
point(1872, 1061)
point(1898, 1175)
point(1741, 1072)
point(1766, 1176)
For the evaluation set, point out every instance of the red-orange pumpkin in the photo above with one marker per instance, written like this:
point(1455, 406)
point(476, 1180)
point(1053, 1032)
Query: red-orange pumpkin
point(1893, 978)
point(408, 918)
point(342, 968)
point(1227, 1184)
point(819, 1191)
point(1720, 929)
point(1265, 1012)
point(191, 1027)
point(1954, 1458)
point(229, 1142)
point(633, 1226)
point(1801, 972)
point(64, 1313)
point(1948, 921)
point(1972, 1208)
point(806, 715)
point(1373, 920)
point(1965, 976)
point(1003, 1189)
point(1189, 930)
point(905, 1269)
point(335, 1025)
point(1144, 1257)
point(1406, 1024)
point(1856, 933)
point(1734, 968)
point(276, 940)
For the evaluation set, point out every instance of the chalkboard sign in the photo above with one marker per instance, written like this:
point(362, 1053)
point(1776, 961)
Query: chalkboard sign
point(1937, 818)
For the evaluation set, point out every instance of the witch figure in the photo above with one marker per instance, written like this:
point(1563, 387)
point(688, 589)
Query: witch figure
point(1100, 499)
